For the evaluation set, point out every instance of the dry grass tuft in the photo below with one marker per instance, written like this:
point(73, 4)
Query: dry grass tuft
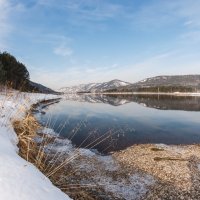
point(26, 130)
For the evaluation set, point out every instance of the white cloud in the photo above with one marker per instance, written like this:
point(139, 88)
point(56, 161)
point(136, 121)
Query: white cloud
point(61, 43)
point(63, 50)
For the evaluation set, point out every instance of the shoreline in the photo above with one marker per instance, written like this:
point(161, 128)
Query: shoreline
point(139, 93)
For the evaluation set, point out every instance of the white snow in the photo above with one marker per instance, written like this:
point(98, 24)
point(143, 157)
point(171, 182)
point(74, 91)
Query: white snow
point(19, 179)
point(133, 190)
point(48, 131)
point(143, 81)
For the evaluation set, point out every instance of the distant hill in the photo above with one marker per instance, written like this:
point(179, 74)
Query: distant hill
point(181, 80)
point(14, 74)
point(181, 83)
point(94, 87)
point(36, 87)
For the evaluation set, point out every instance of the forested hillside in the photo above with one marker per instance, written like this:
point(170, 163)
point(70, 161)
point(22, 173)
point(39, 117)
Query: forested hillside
point(13, 73)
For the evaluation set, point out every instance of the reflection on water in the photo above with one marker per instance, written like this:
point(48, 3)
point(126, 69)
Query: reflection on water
point(116, 122)
point(163, 102)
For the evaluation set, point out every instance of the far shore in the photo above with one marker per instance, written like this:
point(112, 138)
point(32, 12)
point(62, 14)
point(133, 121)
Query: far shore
point(143, 93)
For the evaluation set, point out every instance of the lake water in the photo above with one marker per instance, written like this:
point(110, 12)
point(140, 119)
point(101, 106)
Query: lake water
point(111, 123)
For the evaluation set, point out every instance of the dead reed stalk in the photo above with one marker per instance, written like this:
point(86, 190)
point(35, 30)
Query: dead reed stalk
point(26, 130)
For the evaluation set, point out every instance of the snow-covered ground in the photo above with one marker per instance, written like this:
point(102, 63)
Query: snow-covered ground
point(19, 179)
point(100, 171)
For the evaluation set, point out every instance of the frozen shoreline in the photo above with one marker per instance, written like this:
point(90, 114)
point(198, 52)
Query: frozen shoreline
point(19, 179)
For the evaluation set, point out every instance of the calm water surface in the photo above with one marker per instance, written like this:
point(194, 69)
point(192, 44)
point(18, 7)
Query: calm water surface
point(111, 123)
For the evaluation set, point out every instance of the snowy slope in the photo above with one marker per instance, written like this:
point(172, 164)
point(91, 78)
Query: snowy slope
point(190, 81)
point(19, 179)
point(183, 80)
point(79, 88)
point(94, 87)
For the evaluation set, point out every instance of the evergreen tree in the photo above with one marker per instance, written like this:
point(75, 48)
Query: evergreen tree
point(2, 74)
point(13, 72)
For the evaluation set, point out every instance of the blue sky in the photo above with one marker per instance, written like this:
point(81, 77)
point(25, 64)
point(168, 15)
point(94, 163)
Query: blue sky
point(65, 42)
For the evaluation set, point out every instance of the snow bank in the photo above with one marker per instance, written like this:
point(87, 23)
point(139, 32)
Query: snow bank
point(19, 179)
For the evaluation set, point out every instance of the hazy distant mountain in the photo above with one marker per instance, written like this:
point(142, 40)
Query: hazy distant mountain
point(181, 83)
point(78, 88)
point(182, 80)
point(94, 87)
point(41, 88)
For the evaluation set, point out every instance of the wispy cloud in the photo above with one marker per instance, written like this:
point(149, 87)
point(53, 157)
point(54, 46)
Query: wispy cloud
point(7, 10)
point(63, 45)
point(63, 50)
point(5, 28)
point(90, 14)
point(160, 14)
point(87, 9)
point(190, 12)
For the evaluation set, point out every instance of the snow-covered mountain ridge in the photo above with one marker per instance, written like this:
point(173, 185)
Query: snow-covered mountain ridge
point(183, 80)
point(94, 87)
point(187, 81)
point(175, 83)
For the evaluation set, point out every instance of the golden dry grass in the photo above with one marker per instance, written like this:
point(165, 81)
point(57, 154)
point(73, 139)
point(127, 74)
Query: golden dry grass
point(26, 130)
